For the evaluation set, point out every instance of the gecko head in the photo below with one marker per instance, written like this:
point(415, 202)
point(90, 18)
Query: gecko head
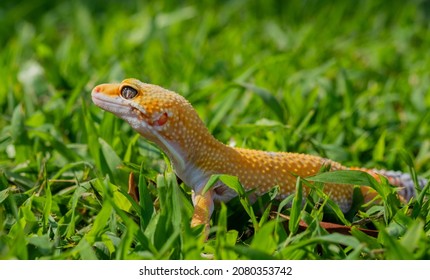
point(159, 115)
point(149, 109)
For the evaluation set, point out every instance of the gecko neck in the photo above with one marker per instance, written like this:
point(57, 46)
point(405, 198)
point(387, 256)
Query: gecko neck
point(194, 153)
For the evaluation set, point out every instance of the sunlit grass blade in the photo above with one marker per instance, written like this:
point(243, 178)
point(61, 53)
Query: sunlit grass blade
point(266, 238)
point(167, 224)
point(112, 162)
point(84, 250)
point(145, 201)
point(225, 240)
point(265, 216)
point(100, 222)
point(48, 205)
point(296, 207)
point(351, 177)
point(71, 223)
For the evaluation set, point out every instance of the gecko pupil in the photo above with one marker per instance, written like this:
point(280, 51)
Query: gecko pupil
point(128, 92)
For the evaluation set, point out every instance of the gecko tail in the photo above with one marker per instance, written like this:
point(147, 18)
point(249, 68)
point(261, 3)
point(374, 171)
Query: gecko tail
point(404, 182)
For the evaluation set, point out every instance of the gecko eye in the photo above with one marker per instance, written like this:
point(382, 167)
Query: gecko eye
point(128, 92)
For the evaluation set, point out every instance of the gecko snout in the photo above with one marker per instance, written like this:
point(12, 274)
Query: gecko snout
point(97, 89)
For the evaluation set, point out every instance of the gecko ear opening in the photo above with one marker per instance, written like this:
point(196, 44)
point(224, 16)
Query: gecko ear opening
point(128, 92)
point(162, 119)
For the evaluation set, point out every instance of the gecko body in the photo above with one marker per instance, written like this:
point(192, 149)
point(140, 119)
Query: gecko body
point(168, 120)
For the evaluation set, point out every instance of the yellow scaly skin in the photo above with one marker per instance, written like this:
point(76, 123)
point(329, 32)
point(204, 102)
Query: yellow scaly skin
point(168, 120)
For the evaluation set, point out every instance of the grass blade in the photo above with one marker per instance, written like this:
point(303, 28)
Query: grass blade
point(296, 208)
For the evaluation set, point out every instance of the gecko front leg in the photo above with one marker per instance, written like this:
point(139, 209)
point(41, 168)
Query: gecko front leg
point(203, 208)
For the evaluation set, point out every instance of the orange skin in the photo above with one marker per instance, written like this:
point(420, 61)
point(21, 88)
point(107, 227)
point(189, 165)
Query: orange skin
point(168, 120)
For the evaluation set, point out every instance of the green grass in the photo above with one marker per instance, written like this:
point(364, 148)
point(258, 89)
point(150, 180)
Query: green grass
point(348, 80)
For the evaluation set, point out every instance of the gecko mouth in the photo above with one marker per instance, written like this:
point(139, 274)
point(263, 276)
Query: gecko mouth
point(119, 106)
point(109, 104)
point(127, 110)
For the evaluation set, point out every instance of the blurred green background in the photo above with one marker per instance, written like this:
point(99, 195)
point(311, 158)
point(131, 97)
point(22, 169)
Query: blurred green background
point(348, 80)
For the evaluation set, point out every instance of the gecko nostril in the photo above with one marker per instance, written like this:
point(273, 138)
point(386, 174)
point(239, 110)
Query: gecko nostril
point(97, 89)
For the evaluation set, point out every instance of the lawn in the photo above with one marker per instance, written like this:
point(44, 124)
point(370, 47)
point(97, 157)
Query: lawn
point(346, 80)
